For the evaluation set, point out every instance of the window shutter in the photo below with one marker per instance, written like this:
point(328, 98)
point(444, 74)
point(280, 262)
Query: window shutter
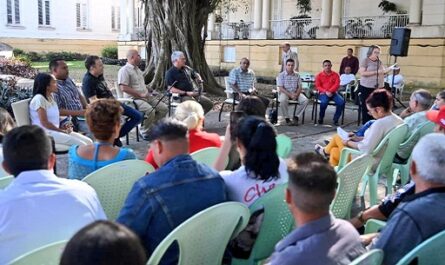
point(78, 15)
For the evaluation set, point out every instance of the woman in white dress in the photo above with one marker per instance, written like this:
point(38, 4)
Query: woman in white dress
point(45, 113)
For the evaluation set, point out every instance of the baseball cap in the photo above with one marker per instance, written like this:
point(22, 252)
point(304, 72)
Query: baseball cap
point(437, 116)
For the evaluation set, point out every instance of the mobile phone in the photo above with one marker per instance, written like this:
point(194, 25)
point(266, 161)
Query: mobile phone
point(235, 116)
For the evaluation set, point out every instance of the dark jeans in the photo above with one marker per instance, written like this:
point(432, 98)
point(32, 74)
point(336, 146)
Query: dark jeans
point(134, 117)
point(339, 105)
point(365, 92)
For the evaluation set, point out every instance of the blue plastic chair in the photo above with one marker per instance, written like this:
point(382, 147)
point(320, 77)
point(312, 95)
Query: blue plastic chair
point(429, 252)
point(373, 257)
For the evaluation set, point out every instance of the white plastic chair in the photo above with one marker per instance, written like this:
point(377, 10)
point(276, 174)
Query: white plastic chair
point(123, 100)
point(231, 98)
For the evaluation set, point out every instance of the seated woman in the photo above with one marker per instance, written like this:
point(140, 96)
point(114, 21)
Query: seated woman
point(6, 124)
point(261, 168)
point(103, 118)
point(440, 100)
point(191, 113)
point(379, 105)
point(45, 113)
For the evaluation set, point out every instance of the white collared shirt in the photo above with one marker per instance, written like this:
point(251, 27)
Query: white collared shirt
point(39, 208)
point(133, 77)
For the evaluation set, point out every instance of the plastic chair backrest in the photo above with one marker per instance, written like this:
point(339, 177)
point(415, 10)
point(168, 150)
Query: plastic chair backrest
point(21, 112)
point(429, 252)
point(119, 92)
point(349, 178)
point(112, 183)
point(202, 239)
point(372, 257)
point(5, 181)
point(278, 222)
point(207, 156)
point(46, 255)
point(284, 145)
point(408, 145)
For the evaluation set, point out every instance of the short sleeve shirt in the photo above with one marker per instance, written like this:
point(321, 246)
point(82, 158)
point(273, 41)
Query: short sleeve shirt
point(244, 80)
point(95, 86)
point(290, 82)
point(371, 66)
point(49, 105)
point(67, 96)
point(133, 77)
point(181, 77)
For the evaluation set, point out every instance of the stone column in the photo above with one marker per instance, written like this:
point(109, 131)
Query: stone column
point(130, 21)
point(415, 12)
point(257, 14)
point(336, 13)
point(326, 10)
point(123, 17)
point(265, 24)
point(211, 29)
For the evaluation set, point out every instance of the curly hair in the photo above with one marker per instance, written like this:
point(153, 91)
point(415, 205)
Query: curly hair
point(102, 116)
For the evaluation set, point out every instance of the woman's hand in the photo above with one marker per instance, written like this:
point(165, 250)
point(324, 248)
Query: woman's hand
point(68, 127)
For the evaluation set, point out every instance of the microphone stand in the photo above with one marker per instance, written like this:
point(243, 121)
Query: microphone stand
point(393, 89)
point(166, 93)
point(377, 73)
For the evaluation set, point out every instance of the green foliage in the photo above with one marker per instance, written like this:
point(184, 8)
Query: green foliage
point(67, 56)
point(17, 51)
point(43, 57)
point(109, 52)
point(387, 6)
point(17, 68)
point(304, 6)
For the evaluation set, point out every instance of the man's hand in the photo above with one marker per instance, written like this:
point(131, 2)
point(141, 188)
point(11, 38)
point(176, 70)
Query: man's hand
point(191, 93)
point(294, 96)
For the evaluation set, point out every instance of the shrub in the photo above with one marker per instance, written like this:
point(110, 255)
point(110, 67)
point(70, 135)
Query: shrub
point(109, 52)
point(17, 68)
point(17, 51)
point(10, 93)
point(67, 56)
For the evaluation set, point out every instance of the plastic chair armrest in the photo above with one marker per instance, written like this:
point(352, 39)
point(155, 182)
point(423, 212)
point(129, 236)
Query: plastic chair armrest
point(373, 226)
point(345, 152)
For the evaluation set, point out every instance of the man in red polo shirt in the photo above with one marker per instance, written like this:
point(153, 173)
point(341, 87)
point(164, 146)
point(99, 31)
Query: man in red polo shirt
point(327, 83)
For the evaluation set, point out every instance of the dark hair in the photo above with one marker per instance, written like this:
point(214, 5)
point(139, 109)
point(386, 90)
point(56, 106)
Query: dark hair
point(371, 48)
point(258, 137)
point(326, 61)
point(104, 243)
point(168, 129)
point(290, 60)
point(6, 122)
point(380, 98)
point(41, 83)
point(312, 182)
point(54, 63)
point(90, 61)
point(26, 148)
point(102, 116)
point(442, 94)
point(350, 49)
point(252, 105)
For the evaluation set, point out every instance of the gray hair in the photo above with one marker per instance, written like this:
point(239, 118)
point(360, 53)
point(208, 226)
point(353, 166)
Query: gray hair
point(429, 155)
point(423, 97)
point(176, 55)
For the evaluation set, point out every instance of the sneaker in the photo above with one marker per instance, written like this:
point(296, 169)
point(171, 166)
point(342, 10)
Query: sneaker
point(326, 141)
point(336, 123)
point(288, 121)
point(143, 136)
point(320, 121)
point(117, 142)
point(320, 150)
point(295, 121)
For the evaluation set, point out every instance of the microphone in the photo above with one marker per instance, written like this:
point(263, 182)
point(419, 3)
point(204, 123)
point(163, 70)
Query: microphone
point(195, 73)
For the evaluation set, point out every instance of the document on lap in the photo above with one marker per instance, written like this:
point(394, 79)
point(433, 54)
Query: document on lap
point(342, 133)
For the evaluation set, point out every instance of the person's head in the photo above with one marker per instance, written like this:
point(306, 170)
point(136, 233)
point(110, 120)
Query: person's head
point(168, 139)
point(379, 103)
point(396, 70)
point(44, 84)
point(178, 59)
point(285, 46)
point(255, 140)
point(94, 65)
point(191, 113)
point(104, 242)
point(244, 64)
point(347, 70)
point(290, 65)
point(420, 100)
point(428, 160)
point(349, 52)
point(312, 185)
point(6, 122)
point(438, 117)
point(440, 100)
point(252, 105)
point(327, 65)
point(103, 117)
point(373, 52)
point(27, 148)
point(59, 69)
point(133, 57)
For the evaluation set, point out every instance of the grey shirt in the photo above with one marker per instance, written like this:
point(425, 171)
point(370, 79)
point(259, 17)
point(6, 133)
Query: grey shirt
point(371, 66)
point(324, 241)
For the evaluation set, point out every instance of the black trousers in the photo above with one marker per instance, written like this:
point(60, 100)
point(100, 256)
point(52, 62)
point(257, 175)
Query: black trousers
point(364, 94)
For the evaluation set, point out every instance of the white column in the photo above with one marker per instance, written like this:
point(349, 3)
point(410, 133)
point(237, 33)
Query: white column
point(123, 18)
point(211, 22)
point(336, 13)
point(257, 14)
point(266, 15)
point(130, 22)
point(415, 12)
point(326, 6)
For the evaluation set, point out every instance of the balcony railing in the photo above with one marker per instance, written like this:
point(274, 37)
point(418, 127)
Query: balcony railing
point(303, 28)
point(372, 27)
point(234, 31)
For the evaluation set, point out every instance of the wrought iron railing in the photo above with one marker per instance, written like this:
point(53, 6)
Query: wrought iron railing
point(372, 27)
point(234, 31)
point(303, 28)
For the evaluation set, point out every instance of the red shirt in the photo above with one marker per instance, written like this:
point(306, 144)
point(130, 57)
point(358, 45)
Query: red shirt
point(197, 140)
point(327, 82)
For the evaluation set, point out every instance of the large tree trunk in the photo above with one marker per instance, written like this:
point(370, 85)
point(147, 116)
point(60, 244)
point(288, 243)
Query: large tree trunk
point(180, 25)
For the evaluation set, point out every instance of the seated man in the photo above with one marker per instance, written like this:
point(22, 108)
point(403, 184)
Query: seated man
point(418, 217)
point(242, 80)
point(94, 87)
point(180, 188)
point(179, 80)
point(131, 81)
point(319, 238)
point(39, 208)
point(327, 83)
point(69, 100)
point(289, 85)
point(347, 78)
point(397, 77)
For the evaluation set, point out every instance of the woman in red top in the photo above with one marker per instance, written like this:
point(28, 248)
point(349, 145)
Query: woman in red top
point(192, 114)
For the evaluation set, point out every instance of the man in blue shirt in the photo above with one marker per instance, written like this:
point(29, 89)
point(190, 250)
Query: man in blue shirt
point(320, 238)
point(179, 189)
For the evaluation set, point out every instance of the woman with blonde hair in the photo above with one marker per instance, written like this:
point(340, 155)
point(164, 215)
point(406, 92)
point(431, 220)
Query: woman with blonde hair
point(192, 114)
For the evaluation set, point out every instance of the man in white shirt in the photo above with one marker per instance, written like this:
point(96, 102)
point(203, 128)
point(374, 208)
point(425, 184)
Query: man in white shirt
point(347, 78)
point(288, 54)
point(398, 78)
point(38, 208)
